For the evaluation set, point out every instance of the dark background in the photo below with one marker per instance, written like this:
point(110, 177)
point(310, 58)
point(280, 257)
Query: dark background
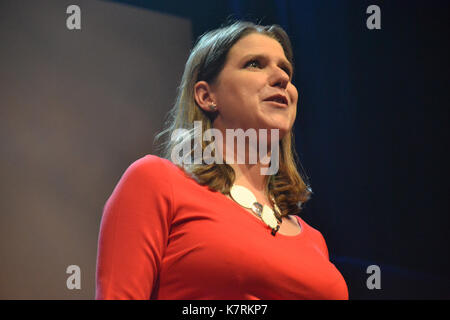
point(77, 108)
point(372, 131)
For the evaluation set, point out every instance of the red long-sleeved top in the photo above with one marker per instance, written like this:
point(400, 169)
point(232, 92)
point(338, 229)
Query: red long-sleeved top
point(164, 236)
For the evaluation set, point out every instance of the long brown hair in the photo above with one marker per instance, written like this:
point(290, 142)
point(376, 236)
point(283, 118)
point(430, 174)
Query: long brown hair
point(205, 62)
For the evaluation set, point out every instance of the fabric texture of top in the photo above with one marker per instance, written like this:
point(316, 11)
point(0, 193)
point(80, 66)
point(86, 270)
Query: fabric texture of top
point(164, 236)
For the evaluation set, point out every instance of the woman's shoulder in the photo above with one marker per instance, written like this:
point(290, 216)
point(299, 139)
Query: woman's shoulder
point(308, 228)
point(149, 174)
point(155, 167)
point(152, 164)
point(315, 235)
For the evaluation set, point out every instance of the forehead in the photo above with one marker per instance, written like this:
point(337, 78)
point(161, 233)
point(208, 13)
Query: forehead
point(255, 43)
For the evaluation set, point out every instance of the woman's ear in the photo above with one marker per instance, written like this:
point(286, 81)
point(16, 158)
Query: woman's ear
point(204, 97)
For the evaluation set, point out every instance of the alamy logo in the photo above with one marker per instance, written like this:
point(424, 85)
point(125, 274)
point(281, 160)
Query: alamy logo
point(258, 146)
point(74, 281)
point(374, 281)
point(374, 20)
point(73, 21)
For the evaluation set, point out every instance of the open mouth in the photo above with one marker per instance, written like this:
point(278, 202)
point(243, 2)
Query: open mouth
point(279, 99)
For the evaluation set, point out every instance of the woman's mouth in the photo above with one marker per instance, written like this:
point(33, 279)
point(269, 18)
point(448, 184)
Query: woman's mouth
point(278, 100)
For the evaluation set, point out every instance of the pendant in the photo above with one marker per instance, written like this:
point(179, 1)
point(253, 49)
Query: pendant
point(247, 199)
point(243, 196)
point(257, 208)
point(268, 216)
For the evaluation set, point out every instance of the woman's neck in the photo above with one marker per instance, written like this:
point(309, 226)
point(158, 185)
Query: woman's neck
point(250, 164)
point(249, 176)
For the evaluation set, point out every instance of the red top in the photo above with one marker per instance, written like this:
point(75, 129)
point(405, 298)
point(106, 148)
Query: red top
point(164, 236)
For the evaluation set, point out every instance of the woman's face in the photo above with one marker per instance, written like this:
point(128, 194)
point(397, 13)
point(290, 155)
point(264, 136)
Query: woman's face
point(254, 89)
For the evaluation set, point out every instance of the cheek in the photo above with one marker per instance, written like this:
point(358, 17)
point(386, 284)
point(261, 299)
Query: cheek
point(293, 94)
point(244, 96)
point(236, 89)
point(249, 85)
point(292, 91)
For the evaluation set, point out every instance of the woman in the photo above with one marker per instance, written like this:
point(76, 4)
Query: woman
point(212, 230)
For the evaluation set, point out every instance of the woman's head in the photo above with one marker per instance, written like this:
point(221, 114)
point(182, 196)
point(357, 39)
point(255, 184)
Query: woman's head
point(207, 61)
point(253, 88)
point(246, 71)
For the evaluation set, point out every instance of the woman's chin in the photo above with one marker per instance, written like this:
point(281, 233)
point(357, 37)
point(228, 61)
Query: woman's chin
point(282, 129)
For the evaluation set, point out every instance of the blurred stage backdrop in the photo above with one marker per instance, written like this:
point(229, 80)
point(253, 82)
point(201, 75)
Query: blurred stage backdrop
point(77, 107)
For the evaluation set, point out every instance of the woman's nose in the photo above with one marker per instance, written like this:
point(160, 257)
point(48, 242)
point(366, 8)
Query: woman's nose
point(279, 78)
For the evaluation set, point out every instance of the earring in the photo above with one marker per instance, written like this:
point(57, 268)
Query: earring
point(212, 107)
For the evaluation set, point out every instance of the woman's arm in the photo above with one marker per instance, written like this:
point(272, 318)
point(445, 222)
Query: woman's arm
point(134, 232)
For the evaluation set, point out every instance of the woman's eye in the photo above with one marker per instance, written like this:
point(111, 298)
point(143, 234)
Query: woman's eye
point(253, 64)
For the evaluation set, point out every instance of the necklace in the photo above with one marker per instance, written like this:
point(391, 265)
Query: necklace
point(247, 199)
